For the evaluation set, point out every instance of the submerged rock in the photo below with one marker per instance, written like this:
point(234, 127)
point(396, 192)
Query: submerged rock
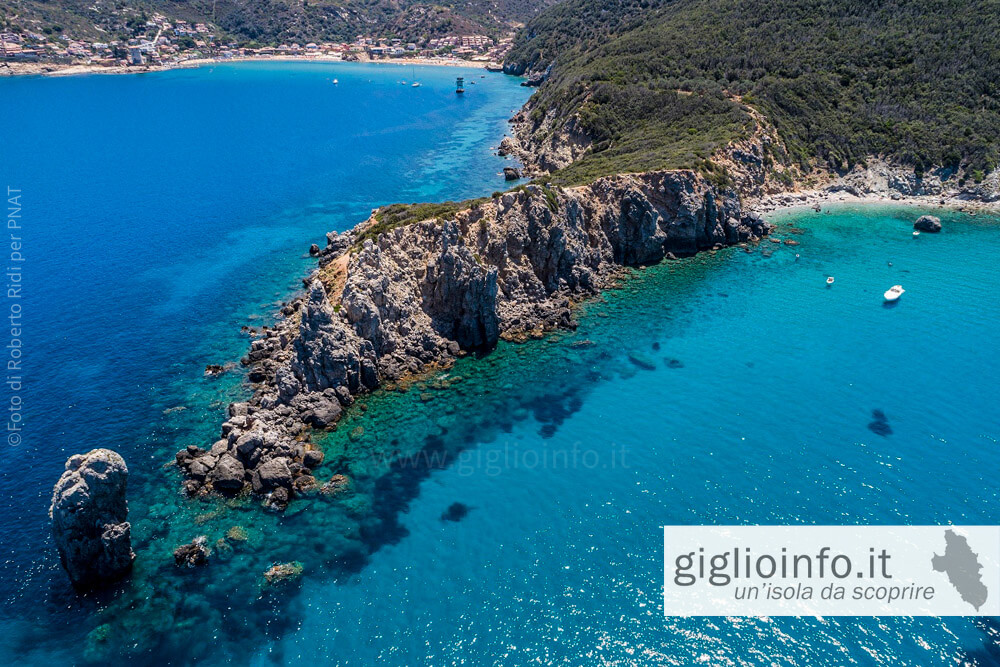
point(283, 573)
point(278, 499)
point(642, 361)
point(89, 515)
point(97, 643)
point(928, 223)
point(193, 554)
point(237, 534)
point(337, 485)
point(456, 512)
point(305, 485)
point(879, 424)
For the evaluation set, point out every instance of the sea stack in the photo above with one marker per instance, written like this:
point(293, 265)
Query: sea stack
point(928, 223)
point(89, 513)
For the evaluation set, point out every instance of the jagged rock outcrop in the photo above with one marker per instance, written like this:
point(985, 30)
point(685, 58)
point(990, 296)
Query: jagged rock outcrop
point(548, 142)
point(511, 173)
point(507, 147)
point(928, 223)
point(194, 553)
point(89, 515)
point(880, 177)
point(417, 296)
point(987, 190)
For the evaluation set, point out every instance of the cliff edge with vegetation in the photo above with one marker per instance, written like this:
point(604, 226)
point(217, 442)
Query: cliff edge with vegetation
point(636, 85)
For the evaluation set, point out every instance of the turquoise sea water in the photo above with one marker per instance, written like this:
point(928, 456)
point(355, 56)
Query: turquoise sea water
point(567, 454)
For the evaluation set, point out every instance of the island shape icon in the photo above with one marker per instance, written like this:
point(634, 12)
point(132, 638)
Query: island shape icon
point(963, 568)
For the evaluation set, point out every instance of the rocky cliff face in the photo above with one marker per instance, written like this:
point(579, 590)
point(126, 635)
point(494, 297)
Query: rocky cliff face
point(89, 518)
point(880, 177)
point(415, 297)
point(544, 143)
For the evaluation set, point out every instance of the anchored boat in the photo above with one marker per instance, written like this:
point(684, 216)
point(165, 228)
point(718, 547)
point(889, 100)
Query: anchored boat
point(893, 293)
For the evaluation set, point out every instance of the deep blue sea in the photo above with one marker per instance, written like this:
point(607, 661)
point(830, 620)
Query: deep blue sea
point(164, 212)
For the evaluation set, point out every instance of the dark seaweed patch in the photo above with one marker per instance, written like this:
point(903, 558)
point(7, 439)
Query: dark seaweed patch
point(456, 512)
point(879, 424)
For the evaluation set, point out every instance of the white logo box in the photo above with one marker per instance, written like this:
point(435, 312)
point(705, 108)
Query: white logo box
point(831, 570)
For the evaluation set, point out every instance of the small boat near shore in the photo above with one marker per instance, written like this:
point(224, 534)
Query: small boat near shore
point(915, 233)
point(893, 293)
point(829, 280)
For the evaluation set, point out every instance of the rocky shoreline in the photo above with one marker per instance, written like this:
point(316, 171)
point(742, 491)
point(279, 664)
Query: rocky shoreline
point(880, 182)
point(413, 288)
point(390, 301)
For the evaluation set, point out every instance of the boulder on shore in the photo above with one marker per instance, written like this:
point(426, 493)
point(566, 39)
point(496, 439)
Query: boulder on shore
point(89, 519)
point(511, 173)
point(228, 474)
point(928, 223)
point(506, 147)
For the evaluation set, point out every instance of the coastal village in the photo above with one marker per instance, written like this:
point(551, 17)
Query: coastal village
point(170, 43)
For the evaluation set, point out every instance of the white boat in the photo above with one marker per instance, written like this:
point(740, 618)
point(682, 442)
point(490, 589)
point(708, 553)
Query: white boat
point(335, 82)
point(416, 84)
point(829, 281)
point(894, 293)
point(916, 233)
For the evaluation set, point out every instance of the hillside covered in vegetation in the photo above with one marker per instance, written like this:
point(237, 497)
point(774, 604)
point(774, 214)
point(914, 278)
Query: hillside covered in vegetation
point(274, 21)
point(664, 83)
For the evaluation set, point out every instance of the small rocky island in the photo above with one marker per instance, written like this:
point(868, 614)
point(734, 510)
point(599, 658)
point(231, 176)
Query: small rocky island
point(89, 515)
point(928, 223)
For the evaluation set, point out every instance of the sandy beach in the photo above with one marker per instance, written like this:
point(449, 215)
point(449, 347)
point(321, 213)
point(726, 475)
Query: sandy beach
point(54, 69)
point(810, 198)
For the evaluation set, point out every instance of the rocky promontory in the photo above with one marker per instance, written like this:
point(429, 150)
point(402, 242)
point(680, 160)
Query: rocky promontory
point(390, 300)
point(89, 519)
